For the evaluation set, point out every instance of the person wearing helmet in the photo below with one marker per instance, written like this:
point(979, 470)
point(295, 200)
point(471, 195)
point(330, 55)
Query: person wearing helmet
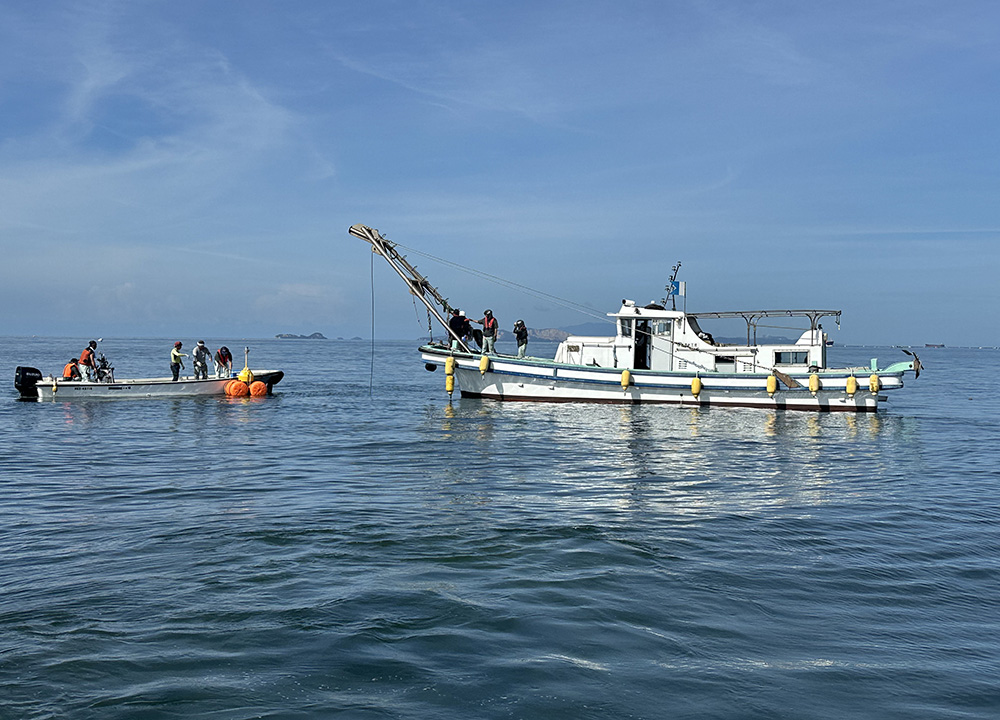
point(521, 334)
point(490, 328)
point(176, 359)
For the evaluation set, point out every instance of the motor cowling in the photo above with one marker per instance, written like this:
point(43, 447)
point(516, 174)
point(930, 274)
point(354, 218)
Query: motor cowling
point(25, 379)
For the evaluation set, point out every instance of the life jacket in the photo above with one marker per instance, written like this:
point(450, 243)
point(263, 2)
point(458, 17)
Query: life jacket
point(87, 357)
point(70, 371)
point(490, 324)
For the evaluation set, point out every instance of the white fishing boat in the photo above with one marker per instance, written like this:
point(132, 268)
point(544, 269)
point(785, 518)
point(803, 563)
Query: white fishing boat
point(658, 355)
point(32, 384)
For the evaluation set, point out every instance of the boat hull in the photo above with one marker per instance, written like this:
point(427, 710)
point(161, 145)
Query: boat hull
point(536, 380)
point(58, 390)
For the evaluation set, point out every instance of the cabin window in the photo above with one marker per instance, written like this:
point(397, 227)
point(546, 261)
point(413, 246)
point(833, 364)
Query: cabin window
point(626, 327)
point(791, 358)
point(661, 327)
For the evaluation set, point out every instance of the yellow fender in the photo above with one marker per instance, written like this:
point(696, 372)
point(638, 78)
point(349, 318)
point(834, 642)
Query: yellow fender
point(449, 366)
point(874, 384)
point(814, 383)
point(696, 386)
point(772, 385)
point(484, 364)
point(449, 383)
point(626, 379)
point(852, 385)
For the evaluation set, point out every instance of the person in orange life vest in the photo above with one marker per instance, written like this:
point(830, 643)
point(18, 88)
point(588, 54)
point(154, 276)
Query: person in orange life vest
point(176, 363)
point(223, 362)
point(490, 328)
point(71, 371)
point(87, 360)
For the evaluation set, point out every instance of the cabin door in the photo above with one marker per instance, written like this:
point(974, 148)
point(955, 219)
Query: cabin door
point(642, 345)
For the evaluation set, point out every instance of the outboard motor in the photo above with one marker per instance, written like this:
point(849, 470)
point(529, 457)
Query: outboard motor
point(25, 379)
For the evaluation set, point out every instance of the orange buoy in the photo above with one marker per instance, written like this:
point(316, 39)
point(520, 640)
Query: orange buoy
point(237, 388)
point(258, 388)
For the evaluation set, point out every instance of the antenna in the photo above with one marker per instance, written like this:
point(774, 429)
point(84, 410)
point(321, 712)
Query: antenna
point(672, 288)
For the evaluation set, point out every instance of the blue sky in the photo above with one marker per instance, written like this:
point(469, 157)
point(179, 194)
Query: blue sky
point(190, 169)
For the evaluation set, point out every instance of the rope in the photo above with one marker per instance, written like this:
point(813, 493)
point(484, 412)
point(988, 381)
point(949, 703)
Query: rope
point(569, 304)
point(371, 371)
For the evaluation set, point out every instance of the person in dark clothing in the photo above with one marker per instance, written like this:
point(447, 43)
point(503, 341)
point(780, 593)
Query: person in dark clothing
point(458, 325)
point(521, 335)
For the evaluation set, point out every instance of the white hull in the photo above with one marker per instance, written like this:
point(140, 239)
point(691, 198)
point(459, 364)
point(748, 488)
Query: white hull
point(656, 355)
point(59, 390)
point(537, 380)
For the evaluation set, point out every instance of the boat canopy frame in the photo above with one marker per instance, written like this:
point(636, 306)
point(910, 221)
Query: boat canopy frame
point(752, 317)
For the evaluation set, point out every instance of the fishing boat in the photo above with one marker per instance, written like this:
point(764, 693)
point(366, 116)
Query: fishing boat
point(658, 355)
point(32, 384)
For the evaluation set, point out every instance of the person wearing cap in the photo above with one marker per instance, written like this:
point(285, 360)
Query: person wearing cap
point(201, 357)
point(176, 361)
point(72, 371)
point(521, 334)
point(489, 324)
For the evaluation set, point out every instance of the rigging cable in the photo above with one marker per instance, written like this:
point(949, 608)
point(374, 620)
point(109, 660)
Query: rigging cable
point(569, 304)
point(371, 371)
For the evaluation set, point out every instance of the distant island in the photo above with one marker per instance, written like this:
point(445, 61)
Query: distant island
point(292, 336)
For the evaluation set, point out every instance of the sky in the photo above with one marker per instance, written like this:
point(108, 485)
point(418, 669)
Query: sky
point(190, 169)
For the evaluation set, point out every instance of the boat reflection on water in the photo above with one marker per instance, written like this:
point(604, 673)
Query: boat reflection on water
point(694, 460)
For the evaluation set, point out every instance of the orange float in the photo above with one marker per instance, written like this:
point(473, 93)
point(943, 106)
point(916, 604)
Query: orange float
point(258, 389)
point(237, 388)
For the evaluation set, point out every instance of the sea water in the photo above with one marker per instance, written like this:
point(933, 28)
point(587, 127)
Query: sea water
point(359, 546)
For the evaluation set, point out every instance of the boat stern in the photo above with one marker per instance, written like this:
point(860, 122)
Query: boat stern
point(26, 380)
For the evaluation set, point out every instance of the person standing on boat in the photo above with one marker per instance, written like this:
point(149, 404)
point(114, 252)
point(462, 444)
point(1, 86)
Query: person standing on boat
point(521, 334)
point(201, 357)
point(88, 361)
point(72, 370)
point(459, 325)
point(223, 362)
point(176, 359)
point(489, 324)
point(468, 334)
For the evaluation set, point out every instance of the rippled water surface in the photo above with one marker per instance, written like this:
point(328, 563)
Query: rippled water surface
point(356, 546)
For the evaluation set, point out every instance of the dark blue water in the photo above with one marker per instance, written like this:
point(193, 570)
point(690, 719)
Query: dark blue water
point(336, 551)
